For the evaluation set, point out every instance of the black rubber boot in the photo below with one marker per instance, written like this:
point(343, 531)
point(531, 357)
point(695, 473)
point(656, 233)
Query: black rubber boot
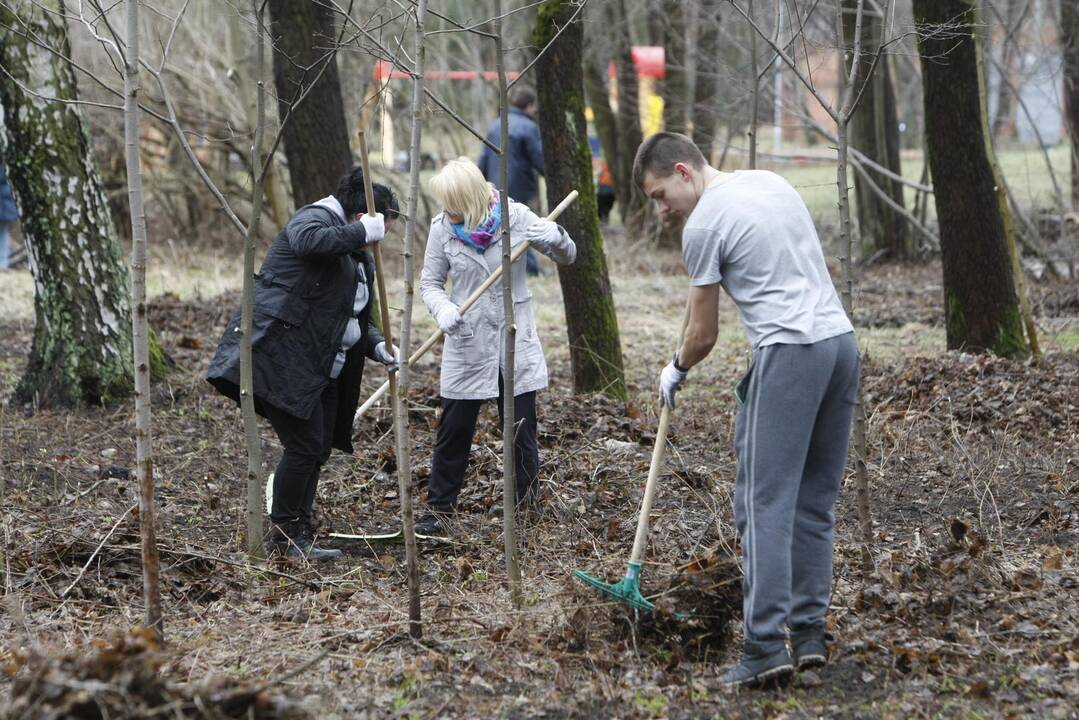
point(810, 646)
point(295, 540)
point(433, 524)
point(760, 668)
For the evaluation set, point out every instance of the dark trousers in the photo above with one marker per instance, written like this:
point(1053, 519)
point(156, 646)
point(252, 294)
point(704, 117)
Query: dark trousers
point(454, 441)
point(604, 204)
point(307, 446)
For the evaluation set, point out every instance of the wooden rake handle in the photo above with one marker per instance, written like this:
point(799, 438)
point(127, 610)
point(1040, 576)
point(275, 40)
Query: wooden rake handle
point(640, 540)
point(376, 248)
point(468, 303)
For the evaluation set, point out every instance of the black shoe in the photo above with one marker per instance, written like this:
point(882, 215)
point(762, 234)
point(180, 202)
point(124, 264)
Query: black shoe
point(760, 670)
point(534, 497)
point(296, 541)
point(810, 647)
point(435, 524)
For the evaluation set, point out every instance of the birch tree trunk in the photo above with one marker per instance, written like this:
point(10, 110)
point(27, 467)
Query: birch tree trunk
point(81, 349)
point(509, 482)
point(404, 460)
point(247, 387)
point(151, 586)
point(591, 321)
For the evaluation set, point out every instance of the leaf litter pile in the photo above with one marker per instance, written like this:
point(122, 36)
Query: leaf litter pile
point(970, 606)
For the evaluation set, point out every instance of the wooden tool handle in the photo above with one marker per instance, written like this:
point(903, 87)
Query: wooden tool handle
point(640, 540)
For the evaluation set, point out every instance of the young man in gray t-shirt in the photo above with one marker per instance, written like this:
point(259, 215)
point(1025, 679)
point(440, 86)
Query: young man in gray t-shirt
point(750, 233)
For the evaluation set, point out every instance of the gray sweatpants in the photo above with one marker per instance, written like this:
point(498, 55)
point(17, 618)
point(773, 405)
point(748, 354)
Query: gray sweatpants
point(791, 437)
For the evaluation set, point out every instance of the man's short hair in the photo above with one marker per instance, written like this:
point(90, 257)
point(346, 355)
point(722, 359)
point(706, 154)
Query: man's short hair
point(353, 200)
point(661, 152)
point(522, 98)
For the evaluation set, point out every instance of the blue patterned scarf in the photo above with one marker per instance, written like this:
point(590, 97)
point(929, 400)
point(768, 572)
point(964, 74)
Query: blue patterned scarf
point(487, 231)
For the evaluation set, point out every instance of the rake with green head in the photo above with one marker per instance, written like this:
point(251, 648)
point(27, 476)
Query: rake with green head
point(628, 589)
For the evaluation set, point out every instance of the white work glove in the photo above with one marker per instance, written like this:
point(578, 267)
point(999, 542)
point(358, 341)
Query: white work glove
point(541, 234)
point(670, 380)
point(374, 226)
point(391, 361)
point(449, 320)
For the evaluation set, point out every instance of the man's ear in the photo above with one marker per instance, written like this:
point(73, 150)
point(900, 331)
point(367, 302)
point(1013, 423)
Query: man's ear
point(683, 170)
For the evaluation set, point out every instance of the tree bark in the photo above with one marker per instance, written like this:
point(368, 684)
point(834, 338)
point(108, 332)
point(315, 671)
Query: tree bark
point(599, 99)
point(981, 305)
point(151, 564)
point(874, 130)
point(82, 348)
point(252, 441)
point(1069, 40)
point(672, 21)
point(316, 134)
point(509, 410)
point(404, 459)
point(706, 88)
point(628, 118)
point(591, 321)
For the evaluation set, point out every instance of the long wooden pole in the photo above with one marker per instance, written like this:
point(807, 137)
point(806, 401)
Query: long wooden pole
point(404, 479)
point(468, 303)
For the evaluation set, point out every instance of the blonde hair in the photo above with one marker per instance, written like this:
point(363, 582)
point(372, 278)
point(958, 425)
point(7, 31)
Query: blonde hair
point(461, 189)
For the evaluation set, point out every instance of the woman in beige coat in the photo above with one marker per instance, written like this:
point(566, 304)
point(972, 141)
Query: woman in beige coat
point(464, 247)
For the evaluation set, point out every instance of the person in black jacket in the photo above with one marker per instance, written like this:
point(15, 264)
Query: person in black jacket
point(311, 331)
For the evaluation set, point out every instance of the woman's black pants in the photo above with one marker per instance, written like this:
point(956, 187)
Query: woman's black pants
point(454, 441)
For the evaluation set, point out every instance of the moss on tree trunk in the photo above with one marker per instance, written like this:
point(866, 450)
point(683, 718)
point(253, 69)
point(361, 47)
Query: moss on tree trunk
point(982, 306)
point(592, 325)
point(82, 338)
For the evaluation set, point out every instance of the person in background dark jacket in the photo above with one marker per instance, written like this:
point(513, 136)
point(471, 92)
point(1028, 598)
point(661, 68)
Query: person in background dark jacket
point(525, 161)
point(311, 332)
point(8, 214)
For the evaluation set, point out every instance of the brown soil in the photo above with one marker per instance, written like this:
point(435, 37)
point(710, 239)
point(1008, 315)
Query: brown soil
point(970, 608)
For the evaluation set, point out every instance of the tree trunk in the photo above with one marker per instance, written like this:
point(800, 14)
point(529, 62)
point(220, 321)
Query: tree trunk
point(981, 305)
point(151, 565)
point(592, 325)
point(509, 338)
point(630, 199)
point(705, 117)
point(82, 339)
point(874, 130)
point(1069, 40)
point(404, 446)
point(672, 21)
point(755, 96)
point(246, 80)
point(599, 99)
point(315, 132)
point(252, 441)
point(1010, 22)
